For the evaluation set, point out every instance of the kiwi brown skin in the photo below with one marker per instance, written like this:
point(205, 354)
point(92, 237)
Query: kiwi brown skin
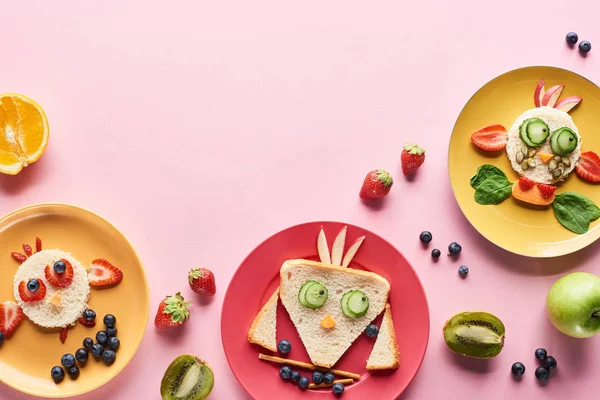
point(458, 334)
point(175, 374)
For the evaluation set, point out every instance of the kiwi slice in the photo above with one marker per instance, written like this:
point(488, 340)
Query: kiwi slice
point(475, 334)
point(187, 378)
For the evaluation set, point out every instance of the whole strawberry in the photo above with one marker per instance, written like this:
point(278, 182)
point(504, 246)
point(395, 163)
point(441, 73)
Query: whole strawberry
point(412, 158)
point(172, 312)
point(377, 184)
point(202, 281)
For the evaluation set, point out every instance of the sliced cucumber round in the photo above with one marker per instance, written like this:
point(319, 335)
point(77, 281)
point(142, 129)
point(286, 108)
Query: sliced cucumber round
point(316, 295)
point(534, 132)
point(563, 141)
point(302, 292)
point(344, 305)
point(358, 303)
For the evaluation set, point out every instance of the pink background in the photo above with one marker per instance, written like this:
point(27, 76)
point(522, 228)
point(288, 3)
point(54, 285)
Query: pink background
point(201, 128)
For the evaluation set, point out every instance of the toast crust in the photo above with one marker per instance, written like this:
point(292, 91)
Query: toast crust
point(392, 343)
point(272, 302)
point(350, 271)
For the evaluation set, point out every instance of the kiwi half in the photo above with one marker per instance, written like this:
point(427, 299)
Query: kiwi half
point(475, 334)
point(187, 378)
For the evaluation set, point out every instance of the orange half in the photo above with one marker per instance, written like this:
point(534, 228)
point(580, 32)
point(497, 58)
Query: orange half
point(24, 132)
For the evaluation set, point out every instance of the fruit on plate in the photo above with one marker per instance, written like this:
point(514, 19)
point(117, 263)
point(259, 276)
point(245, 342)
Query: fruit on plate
point(490, 138)
point(172, 312)
point(103, 273)
point(412, 158)
point(552, 95)
point(188, 377)
point(538, 194)
point(563, 141)
point(538, 94)
point(475, 334)
point(377, 184)
point(573, 304)
point(588, 167)
point(202, 281)
point(568, 103)
point(11, 316)
point(60, 274)
point(32, 290)
point(24, 132)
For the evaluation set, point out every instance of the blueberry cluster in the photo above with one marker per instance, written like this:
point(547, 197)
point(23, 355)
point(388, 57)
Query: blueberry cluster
point(542, 372)
point(584, 45)
point(288, 374)
point(106, 346)
point(454, 249)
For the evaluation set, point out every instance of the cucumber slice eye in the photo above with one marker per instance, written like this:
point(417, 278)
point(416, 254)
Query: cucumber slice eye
point(313, 295)
point(302, 292)
point(534, 132)
point(344, 305)
point(563, 141)
point(354, 304)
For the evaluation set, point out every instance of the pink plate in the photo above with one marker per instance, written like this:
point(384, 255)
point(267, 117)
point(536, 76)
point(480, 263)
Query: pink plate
point(257, 278)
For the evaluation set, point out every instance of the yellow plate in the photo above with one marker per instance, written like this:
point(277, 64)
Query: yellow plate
point(512, 225)
point(27, 357)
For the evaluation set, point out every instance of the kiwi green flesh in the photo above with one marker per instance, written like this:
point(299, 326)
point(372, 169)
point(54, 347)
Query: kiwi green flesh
point(187, 378)
point(475, 334)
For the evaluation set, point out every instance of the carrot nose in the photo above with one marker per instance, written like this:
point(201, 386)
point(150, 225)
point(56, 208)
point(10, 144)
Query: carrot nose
point(328, 322)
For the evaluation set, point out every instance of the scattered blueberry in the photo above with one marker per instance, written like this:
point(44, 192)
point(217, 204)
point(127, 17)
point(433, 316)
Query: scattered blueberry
point(74, 372)
point(425, 237)
point(338, 389)
point(88, 343)
point(89, 315)
point(111, 332)
point(114, 343)
point(285, 373)
point(328, 378)
point(97, 349)
point(109, 356)
point(436, 253)
point(585, 46)
point(60, 267)
point(518, 369)
point(372, 330)
point(1, 337)
point(57, 374)
point(284, 346)
point(303, 383)
point(542, 373)
point(454, 248)
point(317, 377)
point(541, 354)
point(110, 320)
point(550, 362)
point(33, 285)
point(81, 355)
point(296, 376)
point(67, 360)
point(463, 270)
point(101, 337)
point(572, 38)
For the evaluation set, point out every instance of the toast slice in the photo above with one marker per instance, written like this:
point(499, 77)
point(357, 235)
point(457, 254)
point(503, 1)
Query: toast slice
point(263, 330)
point(324, 345)
point(385, 353)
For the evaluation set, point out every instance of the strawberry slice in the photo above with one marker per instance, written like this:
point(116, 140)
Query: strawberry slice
point(18, 256)
point(28, 296)
point(490, 138)
point(547, 191)
point(103, 273)
point(63, 279)
point(28, 250)
point(85, 322)
point(525, 183)
point(63, 334)
point(588, 167)
point(11, 316)
point(38, 244)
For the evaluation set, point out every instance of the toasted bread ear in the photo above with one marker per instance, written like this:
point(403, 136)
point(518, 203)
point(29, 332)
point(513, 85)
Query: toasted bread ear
point(263, 330)
point(385, 353)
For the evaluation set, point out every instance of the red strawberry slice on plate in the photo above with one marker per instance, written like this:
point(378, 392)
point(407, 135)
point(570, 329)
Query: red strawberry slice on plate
point(490, 138)
point(28, 296)
point(63, 334)
point(11, 316)
point(525, 183)
point(85, 322)
point(38, 244)
point(103, 273)
point(62, 279)
point(588, 167)
point(547, 191)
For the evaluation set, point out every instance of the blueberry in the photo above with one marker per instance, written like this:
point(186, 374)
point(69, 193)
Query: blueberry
point(425, 237)
point(338, 389)
point(454, 248)
point(109, 356)
point(550, 362)
point(89, 315)
point(284, 346)
point(372, 330)
point(541, 354)
point(585, 46)
point(285, 373)
point(60, 267)
point(542, 373)
point(436, 253)
point(110, 320)
point(74, 372)
point(101, 337)
point(97, 349)
point(57, 374)
point(518, 369)
point(33, 285)
point(114, 343)
point(81, 355)
point(296, 376)
point(317, 377)
point(463, 270)
point(67, 360)
point(328, 378)
point(572, 38)
point(1, 337)
point(88, 343)
point(111, 332)
point(303, 383)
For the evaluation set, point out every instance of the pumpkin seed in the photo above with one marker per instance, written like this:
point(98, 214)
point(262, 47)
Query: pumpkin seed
point(552, 165)
point(557, 159)
point(566, 161)
point(562, 166)
point(531, 162)
point(557, 173)
point(525, 165)
point(520, 157)
point(531, 153)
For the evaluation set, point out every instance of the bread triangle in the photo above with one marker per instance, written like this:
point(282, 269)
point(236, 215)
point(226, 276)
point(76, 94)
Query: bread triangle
point(263, 330)
point(326, 346)
point(385, 353)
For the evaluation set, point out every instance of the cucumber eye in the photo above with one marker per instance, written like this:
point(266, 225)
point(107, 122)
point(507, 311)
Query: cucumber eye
point(354, 304)
point(313, 295)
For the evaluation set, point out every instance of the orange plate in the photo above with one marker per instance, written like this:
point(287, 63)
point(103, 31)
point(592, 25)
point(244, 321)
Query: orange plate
point(28, 355)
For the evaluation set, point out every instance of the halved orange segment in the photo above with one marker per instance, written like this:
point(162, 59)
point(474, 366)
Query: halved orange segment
point(24, 132)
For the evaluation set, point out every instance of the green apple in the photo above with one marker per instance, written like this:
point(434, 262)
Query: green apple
point(573, 304)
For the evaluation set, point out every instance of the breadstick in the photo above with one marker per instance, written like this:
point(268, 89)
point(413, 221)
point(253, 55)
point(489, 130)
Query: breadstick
point(324, 385)
point(301, 364)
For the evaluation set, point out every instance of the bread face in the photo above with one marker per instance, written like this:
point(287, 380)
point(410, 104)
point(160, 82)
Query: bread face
point(325, 346)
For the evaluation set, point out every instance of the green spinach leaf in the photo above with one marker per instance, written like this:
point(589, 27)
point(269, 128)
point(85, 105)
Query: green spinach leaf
point(493, 190)
point(592, 209)
point(484, 172)
point(571, 211)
